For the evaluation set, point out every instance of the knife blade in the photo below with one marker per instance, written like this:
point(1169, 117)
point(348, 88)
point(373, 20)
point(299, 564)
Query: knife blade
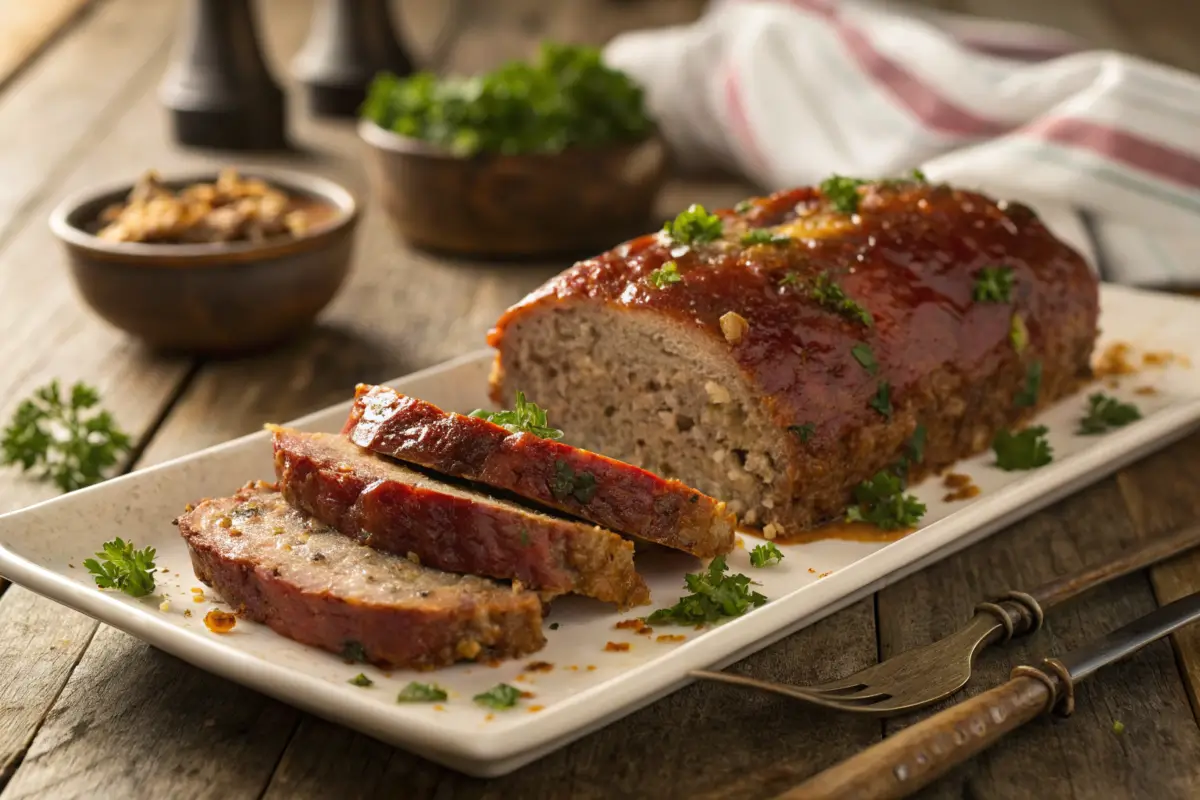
point(918, 755)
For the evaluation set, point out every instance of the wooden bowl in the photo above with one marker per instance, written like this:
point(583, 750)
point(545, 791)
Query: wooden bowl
point(211, 299)
point(491, 205)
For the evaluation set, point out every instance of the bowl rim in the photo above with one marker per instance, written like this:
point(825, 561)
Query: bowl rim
point(330, 191)
point(377, 136)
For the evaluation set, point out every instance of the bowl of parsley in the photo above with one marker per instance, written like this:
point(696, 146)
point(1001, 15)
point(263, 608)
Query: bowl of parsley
point(553, 156)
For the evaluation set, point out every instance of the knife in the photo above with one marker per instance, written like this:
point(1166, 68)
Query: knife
point(916, 756)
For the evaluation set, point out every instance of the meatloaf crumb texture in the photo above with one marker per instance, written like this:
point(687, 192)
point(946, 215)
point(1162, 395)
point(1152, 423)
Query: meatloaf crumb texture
point(393, 508)
point(786, 420)
point(309, 583)
point(616, 495)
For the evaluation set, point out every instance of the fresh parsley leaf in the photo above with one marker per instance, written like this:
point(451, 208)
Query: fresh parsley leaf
point(1018, 334)
point(664, 276)
point(790, 279)
point(918, 176)
point(525, 417)
point(881, 502)
point(500, 697)
point(832, 296)
point(916, 445)
point(1027, 449)
point(569, 483)
point(993, 285)
point(1028, 396)
point(64, 440)
point(361, 680)
point(713, 595)
point(764, 555)
point(123, 568)
point(863, 355)
point(842, 192)
point(764, 236)
point(553, 626)
point(694, 226)
point(353, 652)
point(421, 693)
point(882, 401)
point(804, 431)
point(1106, 412)
point(743, 206)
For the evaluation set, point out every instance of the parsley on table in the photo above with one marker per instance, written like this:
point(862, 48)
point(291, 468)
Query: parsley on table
point(832, 296)
point(1027, 449)
point(993, 285)
point(1106, 412)
point(842, 192)
point(1018, 333)
point(764, 236)
point(694, 226)
point(499, 697)
point(525, 417)
point(569, 483)
point(565, 98)
point(863, 355)
point(764, 555)
point(361, 680)
point(664, 276)
point(421, 693)
point(804, 431)
point(64, 440)
point(881, 502)
point(1028, 396)
point(121, 567)
point(882, 401)
point(713, 595)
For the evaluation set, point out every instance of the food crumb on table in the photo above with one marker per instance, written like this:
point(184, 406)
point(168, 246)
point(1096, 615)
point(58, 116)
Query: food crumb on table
point(616, 647)
point(670, 637)
point(539, 666)
point(219, 621)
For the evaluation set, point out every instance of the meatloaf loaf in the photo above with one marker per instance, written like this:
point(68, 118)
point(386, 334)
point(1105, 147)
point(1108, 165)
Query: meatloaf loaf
point(310, 583)
point(619, 496)
point(399, 510)
point(778, 354)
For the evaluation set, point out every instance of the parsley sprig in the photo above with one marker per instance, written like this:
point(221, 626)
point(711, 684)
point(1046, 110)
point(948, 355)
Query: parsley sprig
point(764, 555)
point(881, 502)
point(694, 225)
point(524, 417)
point(842, 192)
point(1026, 449)
point(123, 568)
point(1105, 413)
point(64, 439)
point(714, 595)
point(993, 285)
point(664, 276)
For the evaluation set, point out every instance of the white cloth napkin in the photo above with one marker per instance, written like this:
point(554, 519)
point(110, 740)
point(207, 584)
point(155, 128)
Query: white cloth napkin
point(789, 91)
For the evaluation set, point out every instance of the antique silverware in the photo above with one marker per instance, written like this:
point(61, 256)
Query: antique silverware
point(924, 675)
point(917, 755)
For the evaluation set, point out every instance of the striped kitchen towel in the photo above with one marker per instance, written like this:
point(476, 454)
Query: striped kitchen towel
point(788, 91)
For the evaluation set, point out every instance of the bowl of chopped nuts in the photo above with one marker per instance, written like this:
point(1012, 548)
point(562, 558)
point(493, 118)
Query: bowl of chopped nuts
point(210, 264)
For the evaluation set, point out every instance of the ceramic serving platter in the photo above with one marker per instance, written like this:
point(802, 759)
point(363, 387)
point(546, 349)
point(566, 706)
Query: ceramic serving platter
point(588, 684)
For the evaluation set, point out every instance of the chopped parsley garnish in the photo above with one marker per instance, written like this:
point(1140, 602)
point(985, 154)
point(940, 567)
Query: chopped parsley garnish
point(1028, 396)
point(664, 276)
point(743, 206)
point(500, 697)
point(1106, 412)
point(1018, 334)
point(993, 285)
point(916, 445)
point(421, 693)
point(863, 355)
point(553, 626)
point(764, 555)
point(361, 680)
point(525, 417)
point(842, 192)
point(569, 483)
point(713, 595)
point(524, 537)
point(764, 236)
point(694, 226)
point(881, 502)
point(918, 176)
point(882, 401)
point(804, 431)
point(1027, 449)
point(790, 279)
point(354, 652)
point(64, 440)
point(123, 568)
point(832, 296)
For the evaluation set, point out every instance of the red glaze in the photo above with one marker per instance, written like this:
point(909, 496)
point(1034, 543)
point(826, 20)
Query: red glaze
point(910, 257)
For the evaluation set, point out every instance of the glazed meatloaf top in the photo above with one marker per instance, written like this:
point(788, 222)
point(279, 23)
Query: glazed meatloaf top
point(611, 493)
point(312, 584)
point(909, 254)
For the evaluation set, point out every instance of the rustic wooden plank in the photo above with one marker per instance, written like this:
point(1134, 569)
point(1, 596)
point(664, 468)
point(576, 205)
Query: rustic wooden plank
point(26, 28)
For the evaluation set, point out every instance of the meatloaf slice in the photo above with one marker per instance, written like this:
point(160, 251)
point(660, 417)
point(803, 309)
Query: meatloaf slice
point(309, 583)
point(399, 510)
point(611, 493)
point(784, 352)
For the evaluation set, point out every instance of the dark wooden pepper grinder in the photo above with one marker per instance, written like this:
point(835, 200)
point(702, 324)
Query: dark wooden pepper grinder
point(348, 42)
point(218, 89)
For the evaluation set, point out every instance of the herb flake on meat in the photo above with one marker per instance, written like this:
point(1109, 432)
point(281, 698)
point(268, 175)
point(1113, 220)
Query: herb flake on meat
point(805, 431)
point(421, 693)
point(569, 483)
point(500, 697)
point(1026, 449)
point(1018, 332)
point(1105, 413)
point(829, 294)
point(881, 502)
point(842, 192)
point(764, 555)
point(882, 401)
point(789, 279)
point(993, 285)
point(1028, 396)
point(764, 236)
point(863, 355)
point(664, 276)
point(743, 206)
point(123, 568)
point(353, 652)
point(714, 595)
point(694, 226)
point(525, 417)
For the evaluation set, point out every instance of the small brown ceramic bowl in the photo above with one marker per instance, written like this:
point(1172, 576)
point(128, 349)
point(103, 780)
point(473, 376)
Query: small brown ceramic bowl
point(497, 206)
point(213, 298)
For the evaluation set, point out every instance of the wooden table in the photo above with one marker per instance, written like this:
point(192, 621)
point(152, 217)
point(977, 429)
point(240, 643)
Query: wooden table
point(87, 711)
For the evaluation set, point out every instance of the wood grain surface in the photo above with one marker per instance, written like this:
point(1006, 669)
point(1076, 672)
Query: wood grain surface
point(87, 711)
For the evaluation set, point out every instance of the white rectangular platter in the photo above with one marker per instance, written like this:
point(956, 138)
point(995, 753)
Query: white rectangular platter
point(42, 547)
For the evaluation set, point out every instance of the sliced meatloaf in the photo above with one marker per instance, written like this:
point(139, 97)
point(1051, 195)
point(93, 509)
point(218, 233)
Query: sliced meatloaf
point(310, 583)
point(399, 510)
point(611, 493)
point(782, 353)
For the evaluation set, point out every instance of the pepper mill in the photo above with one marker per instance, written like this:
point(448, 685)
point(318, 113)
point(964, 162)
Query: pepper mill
point(218, 89)
point(349, 41)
